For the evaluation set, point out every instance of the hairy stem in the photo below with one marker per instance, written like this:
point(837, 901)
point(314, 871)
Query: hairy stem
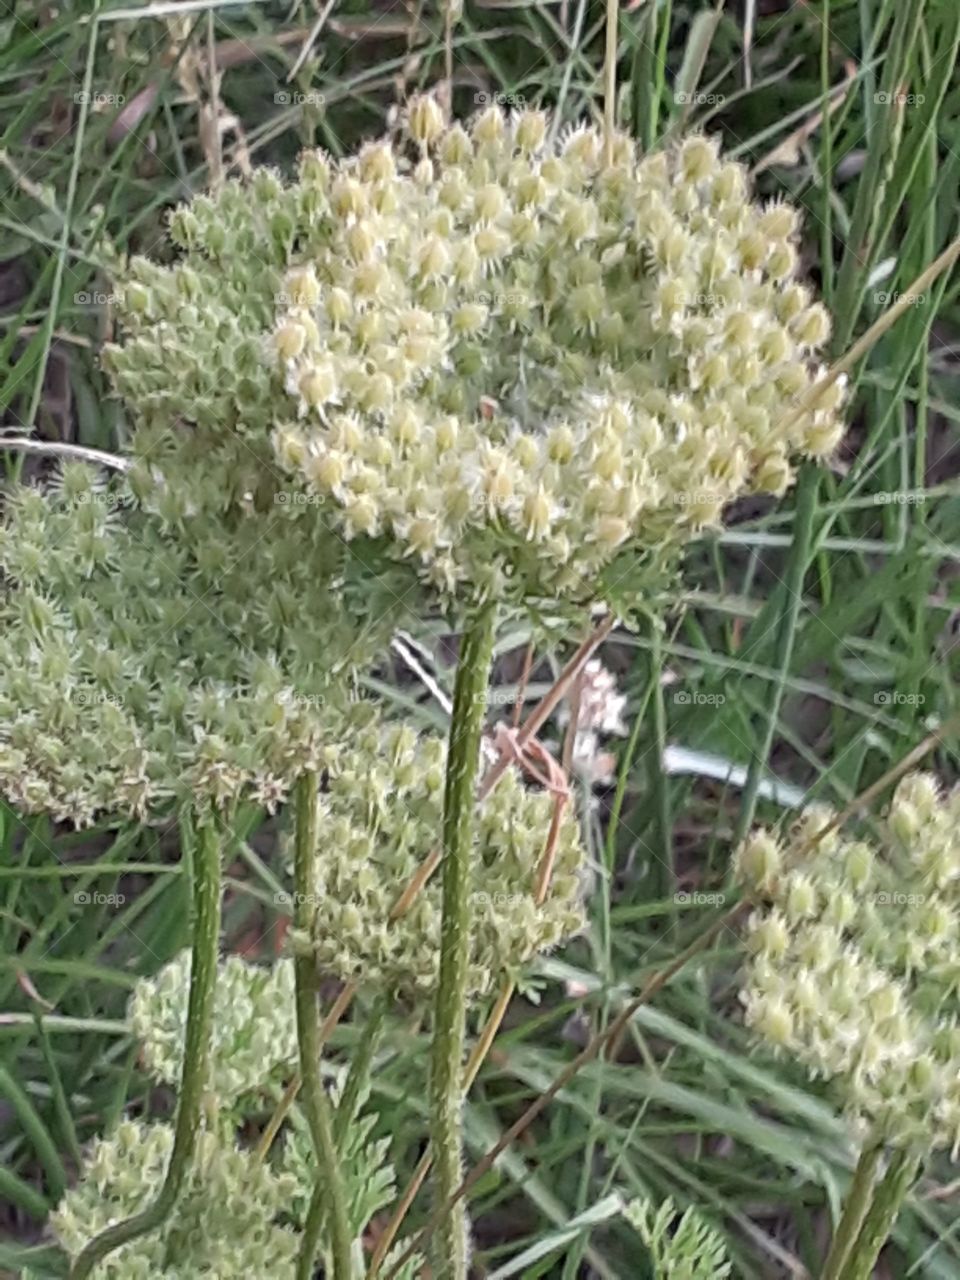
point(459, 803)
point(855, 1209)
point(329, 1197)
point(889, 1196)
point(196, 1056)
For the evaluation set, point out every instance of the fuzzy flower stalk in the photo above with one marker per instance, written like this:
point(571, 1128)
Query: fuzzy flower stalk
point(853, 972)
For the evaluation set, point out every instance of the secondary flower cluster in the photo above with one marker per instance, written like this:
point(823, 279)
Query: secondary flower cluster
point(239, 1215)
point(518, 363)
point(137, 667)
point(855, 961)
point(226, 1224)
point(380, 818)
point(254, 1026)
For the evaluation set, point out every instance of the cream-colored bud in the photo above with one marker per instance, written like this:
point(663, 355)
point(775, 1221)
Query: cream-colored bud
point(773, 1020)
point(773, 474)
point(302, 288)
point(775, 346)
point(530, 130)
point(801, 900)
point(470, 318)
point(289, 340)
point(812, 327)
point(769, 936)
point(361, 241)
point(531, 190)
point(779, 222)
point(377, 163)
point(821, 437)
point(348, 196)
point(537, 514)
point(424, 172)
point(433, 259)
point(338, 306)
point(488, 128)
point(612, 530)
point(424, 119)
point(318, 385)
point(489, 203)
point(362, 514)
point(729, 185)
point(491, 244)
point(327, 471)
point(583, 147)
point(456, 147)
point(698, 159)
point(782, 262)
point(759, 861)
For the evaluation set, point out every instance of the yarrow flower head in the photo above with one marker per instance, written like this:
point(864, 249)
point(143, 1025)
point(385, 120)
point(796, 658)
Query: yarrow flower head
point(138, 668)
point(380, 814)
point(855, 961)
point(522, 368)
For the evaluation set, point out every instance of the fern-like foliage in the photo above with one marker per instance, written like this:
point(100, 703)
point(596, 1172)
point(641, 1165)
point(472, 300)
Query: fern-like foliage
point(681, 1246)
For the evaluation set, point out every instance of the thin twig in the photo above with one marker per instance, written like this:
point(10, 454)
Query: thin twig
point(26, 444)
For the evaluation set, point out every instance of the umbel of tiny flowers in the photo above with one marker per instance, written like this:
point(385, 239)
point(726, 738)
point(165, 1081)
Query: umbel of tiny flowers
point(380, 811)
point(228, 1221)
point(133, 683)
point(139, 670)
point(254, 1036)
point(526, 371)
point(853, 972)
point(524, 367)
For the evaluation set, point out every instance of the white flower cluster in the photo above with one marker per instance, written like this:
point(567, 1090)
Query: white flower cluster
point(254, 1026)
point(855, 961)
point(139, 668)
point(380, 816)
point(514, 358)
point(224, 1225)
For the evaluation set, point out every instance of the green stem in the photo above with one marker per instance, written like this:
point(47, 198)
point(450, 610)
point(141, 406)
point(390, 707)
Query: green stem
point(856, 1206)
point(196, 1057)
point(889, 1196)
point(332, 1197)
point(350, 1100)
point(459, 803)
point(361, 1060)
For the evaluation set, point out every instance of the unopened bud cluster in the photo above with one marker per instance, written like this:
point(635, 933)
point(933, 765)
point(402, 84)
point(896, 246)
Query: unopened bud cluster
point(254, 1026)
point(855, 961)
point(227, 1223)
point(138, 668)
point(380, 818)
point(515, 363)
